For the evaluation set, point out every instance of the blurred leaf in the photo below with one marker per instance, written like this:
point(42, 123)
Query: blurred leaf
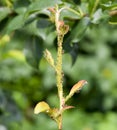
point(41, 5)
point(98, 16)
point(41, 107)
point(78, 31)
point(109, 6)
point(15, 23)
point(4, 12)
point(4, 40)
point(20, 6)
point(74, 52)
point(2, 101)
point(27, 29)
point(45, 28)
point(20, 10)
point(69, 15)
point(20, 100)
point(33, 51)
point(91, 5)
point(75, 36)
point(15, 54)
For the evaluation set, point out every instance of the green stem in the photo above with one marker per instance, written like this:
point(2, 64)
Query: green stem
point(59, 75)
point(59, 70)
point(67, 98)
point(60, 123)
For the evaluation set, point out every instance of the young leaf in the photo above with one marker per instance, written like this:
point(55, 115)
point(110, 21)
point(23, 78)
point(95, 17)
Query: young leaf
point(67, 107)
point(49, 58)
point(41, 107)
point(76, 88)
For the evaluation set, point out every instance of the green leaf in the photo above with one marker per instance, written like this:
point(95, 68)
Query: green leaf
point(28, 28)
point(41, 107)
point(15, 23)
point(69, 15)
point(34, 51)
point(41, 4)
point(74, 52)
point(98, 16)
point(45, 28)
point(4, 40)
point(15, 54)
point(78, 31)
point(92, 5)
point(20, 6)
point(4, 12)
point(75, 36)
point(109, 6)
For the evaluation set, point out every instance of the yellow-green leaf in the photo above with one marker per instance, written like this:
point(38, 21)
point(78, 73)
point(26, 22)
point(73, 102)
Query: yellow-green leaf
point(77, 86)
point(4, 40)
point(41, 107)
point(15, 54)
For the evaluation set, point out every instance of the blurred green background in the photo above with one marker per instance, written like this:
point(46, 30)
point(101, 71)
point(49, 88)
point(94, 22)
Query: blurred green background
point(22, 86)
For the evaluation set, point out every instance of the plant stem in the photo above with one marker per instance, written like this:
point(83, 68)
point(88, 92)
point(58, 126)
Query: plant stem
point(60, 77)
point(60, 123)
point(59, 72)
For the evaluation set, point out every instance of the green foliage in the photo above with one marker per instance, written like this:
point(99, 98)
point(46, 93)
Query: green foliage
point(28, 15)
point(26, 28)
point(4, 12)
point(34, 51)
